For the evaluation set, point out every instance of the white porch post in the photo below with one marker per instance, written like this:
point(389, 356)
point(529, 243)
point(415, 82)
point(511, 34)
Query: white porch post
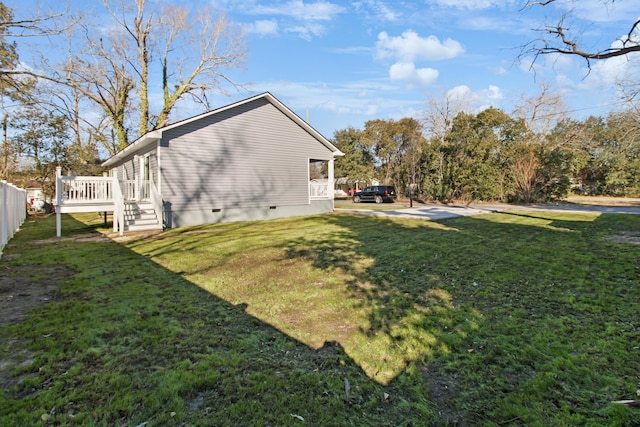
point(331, 181)
point(138, 178)
point(58, 201)
point(115, 190)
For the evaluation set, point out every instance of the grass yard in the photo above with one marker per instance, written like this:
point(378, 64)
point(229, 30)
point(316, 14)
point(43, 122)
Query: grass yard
point(502, 319)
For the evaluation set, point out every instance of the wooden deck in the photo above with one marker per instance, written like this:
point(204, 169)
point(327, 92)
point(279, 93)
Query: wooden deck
point(74, 207)
point(107, 194)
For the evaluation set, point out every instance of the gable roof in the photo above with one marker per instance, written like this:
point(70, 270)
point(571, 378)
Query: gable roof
point(156, 134)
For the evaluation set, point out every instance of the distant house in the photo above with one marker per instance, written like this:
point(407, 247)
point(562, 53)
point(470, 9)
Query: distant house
point(249, 160)
point(34, 191)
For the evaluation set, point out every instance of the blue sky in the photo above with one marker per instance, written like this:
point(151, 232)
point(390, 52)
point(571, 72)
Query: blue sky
point(342, 63)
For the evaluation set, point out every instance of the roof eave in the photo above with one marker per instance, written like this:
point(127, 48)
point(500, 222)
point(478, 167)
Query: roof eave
point(155, 135)
point(143, 141)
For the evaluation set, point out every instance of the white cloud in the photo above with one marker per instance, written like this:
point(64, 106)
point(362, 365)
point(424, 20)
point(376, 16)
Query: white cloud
point(501, 70)
point(263, 27)
point(560, 63)
point(484, 23)
point(380, 10)
point(611, 71)
point(458, 93)
point(475, 4)
point(406, 112)
point(351, 50)
point(550, 66)
point(407, 72)
point(307, 31)
point(600, 11)
point(493, 93)
point(410, 47)
point(318, 11)
point(471, 101)
point(294, 16)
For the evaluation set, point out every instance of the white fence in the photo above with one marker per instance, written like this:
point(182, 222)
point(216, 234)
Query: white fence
point(13, 211)
point(318, 190)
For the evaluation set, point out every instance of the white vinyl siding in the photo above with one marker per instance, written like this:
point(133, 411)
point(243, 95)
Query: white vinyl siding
point(249, 156)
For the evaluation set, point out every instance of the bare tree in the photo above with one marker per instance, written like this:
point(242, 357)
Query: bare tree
point(40, 24)
point(138, 31)
point(560, 38)
point(114, 69)
point(86, 131)
point(438, 117)
point(101, 74)
point(220, 47)
point(173, 36)
point(629, 92)
point(98, 71)
point(524, 172)
point(437, 121)
point(542, 111)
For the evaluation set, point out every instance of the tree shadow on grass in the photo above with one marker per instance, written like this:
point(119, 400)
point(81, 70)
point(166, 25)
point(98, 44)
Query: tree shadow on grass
point(127, 341)
point(497, 317)
point(501, 299)
point(404, 312)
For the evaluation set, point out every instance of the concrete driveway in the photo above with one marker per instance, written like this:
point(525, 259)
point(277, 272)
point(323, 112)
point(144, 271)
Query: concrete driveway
point(443, 211)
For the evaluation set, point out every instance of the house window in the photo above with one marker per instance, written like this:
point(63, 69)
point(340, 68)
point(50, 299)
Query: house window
point(318, 169)
point(318, 179)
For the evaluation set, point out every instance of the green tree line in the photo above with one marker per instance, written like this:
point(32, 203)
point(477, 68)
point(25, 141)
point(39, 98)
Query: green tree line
point(494, 156)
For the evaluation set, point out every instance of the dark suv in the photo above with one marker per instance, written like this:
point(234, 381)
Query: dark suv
point(375, 193)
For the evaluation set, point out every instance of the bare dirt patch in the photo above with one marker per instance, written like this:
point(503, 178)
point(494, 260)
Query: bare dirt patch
point(85, 237)
point(632, 237)
point(137, 235)
point(24, 288)
point(100, 237)
point(443, 390)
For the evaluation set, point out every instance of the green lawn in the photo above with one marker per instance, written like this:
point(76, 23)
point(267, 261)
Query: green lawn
point(500, 319)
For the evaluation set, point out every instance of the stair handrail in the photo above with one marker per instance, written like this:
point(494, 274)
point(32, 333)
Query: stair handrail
point(156, 200)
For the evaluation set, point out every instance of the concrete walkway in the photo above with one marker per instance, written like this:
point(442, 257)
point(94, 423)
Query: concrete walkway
point(444, 211)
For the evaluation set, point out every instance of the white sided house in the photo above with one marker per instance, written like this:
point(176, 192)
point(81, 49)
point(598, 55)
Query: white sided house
point(250, 160)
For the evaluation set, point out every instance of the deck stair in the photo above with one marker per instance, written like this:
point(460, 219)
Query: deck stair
point(140, 216)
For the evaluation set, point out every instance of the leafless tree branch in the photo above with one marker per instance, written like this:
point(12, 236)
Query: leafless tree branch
point(556, 39)
point(48, 25)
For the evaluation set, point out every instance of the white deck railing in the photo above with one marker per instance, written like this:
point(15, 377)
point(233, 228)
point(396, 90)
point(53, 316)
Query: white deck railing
point(97, 189)
point(84, 189)
point(135, 189)
point(101, 193)
point(318, 190)
point(129, 189)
